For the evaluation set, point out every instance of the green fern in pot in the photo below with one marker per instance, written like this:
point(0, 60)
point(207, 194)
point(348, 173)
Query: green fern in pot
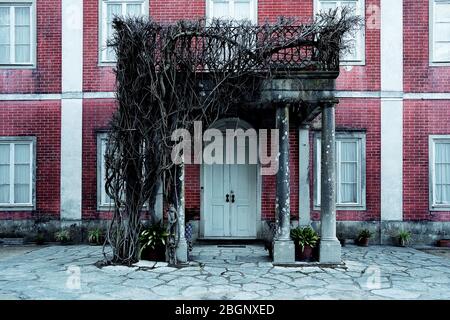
point(152, 242)
point(305, 240)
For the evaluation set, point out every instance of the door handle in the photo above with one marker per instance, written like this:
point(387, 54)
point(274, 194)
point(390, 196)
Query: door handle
point(227, 198)
point(232, 198)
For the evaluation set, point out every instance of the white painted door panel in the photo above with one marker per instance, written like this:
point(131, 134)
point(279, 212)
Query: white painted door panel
point(230, 219)
point(217, 210)
point(243, 192)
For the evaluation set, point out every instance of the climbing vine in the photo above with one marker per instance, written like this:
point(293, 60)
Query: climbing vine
point(170, 75)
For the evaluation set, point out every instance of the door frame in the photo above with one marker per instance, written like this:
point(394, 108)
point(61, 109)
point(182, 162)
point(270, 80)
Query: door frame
point(221, 124)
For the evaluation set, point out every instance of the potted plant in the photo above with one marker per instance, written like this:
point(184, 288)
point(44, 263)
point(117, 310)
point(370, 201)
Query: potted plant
point(63, 236)
point(152, 242)
point(404, 237)
point(341, 239)
point(95, 237)
point(444, 243)
point(363, 238)
point(40, 239)
point(305, 240)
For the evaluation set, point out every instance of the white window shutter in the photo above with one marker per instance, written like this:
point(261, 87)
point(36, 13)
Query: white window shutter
point(4, 173)
point(5, 40)
point(22, 29)
point(442, 173)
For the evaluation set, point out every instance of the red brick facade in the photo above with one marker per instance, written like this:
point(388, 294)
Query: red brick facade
point(41, 118)
point(46, 77)
point(421, 119)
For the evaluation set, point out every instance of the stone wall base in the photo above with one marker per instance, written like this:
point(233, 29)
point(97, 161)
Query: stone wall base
point(423, 232)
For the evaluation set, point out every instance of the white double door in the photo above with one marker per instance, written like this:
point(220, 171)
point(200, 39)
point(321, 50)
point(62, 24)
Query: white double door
point(230, 200)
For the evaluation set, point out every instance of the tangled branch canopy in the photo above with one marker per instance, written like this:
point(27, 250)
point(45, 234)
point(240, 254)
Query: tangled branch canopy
point(170, 75)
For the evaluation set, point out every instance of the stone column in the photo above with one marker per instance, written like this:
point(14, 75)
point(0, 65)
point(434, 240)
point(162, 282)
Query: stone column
point(330, 248)
point(303, 181)
point(182, 248)
point(283, 251)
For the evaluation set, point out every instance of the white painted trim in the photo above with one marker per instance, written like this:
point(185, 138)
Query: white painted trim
point(391, 59)
point(221, 123)
point(99, 95)
point(391, 46)
point(427, 96)
point(12, 142)
point(72, 46)
point(71, 158)
point(29, 97)
point(358, 137)
point(33, 35)
point(253, 4)
point(391, 160)
point(71, 110)
point(102, 25)
point(361, 8)
point(431, 25)
point(386, 95)
point(431, 151)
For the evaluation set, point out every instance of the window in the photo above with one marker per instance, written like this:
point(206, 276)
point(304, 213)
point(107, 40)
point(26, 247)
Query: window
point(355, 54)
point(110, 9)
point(440, 172)
point(17, 33)
point(17, 171)
point(232, 9)
point(103, 200)
point(440, 31)
point(350, 171)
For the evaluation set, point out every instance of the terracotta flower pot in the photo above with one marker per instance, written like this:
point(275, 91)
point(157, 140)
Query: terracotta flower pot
point(303, 253)
point(363, 242)
point(156, 254)
point(444, 243)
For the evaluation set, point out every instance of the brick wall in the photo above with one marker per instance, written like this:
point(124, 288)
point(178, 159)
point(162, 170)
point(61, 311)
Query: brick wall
point(421, 119)
point(363, 114)
point(41, 120)
point(46, 77)
point(96, 117)
point(365, 77)
point(418, 75)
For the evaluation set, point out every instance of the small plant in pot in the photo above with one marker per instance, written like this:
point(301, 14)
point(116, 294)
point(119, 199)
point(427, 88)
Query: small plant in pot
point(305, 240)
point(363, 238)
point(63, 236)
point(96, 237)
point(40, 239)
point(404, 238)
point(152, 242)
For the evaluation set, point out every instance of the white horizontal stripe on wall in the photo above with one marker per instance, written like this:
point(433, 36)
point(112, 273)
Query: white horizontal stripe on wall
point(338, 94)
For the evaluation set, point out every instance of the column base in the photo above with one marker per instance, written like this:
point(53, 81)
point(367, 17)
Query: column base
point(182, 251)
point(330, 251)
point(283, 251)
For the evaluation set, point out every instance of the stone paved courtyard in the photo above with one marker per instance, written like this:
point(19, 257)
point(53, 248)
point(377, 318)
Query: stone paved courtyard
point(376, 272)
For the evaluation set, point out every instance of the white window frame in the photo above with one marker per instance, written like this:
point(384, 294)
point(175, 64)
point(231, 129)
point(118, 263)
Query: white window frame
point(432, 174)
point(253, 12)
point(358, 137)
point(431, 27)
point(102, 204)
point(11, 206)
point(103, 60)
point(361, 49)
point(33, 43)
